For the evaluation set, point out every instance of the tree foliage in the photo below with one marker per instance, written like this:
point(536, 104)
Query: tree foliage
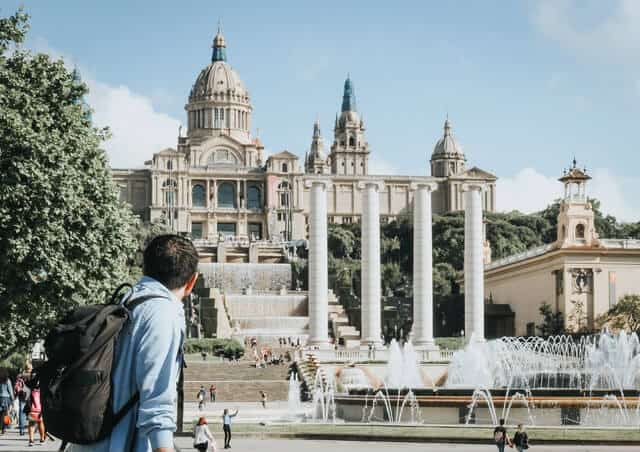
point(552, 322)
point(624, 315)
point(65, 239)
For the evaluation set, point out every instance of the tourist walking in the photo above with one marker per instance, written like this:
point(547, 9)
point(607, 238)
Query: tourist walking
point(34, 414)
point(202, 438)
point(521, 439)
point(501, 437)
point(212, 392)
point(148, 358)
point(6, 397)
point(201, 397)
point(263, 399)
point(226, 427)
point(21, 392)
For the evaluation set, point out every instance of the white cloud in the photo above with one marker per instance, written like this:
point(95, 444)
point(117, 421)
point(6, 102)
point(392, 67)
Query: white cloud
point(530, 191)
point(137, 129)
point(609, 30)
point(381, 166)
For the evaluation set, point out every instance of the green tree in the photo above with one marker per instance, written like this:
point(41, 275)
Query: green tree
point(552, 323)
point(444, 279)
point(624, 315)
point(143, 232)
point(341, 241)
point(65, 239)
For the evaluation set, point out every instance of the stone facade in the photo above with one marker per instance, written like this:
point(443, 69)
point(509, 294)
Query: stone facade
point(218, 182)
point(580, 275)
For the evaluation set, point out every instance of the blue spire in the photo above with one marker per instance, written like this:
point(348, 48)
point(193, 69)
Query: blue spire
point(219, 47)
point(349, 96)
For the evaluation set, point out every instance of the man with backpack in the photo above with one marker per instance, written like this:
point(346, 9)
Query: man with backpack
point(148, 357)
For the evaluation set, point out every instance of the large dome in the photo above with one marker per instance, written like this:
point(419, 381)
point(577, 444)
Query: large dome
point(218, 80)
point(447, 145)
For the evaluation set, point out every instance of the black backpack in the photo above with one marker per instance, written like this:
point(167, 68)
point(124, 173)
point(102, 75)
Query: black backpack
point(76, 386)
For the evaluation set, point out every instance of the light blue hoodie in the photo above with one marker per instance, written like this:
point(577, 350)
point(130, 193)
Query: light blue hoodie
point(148, 360)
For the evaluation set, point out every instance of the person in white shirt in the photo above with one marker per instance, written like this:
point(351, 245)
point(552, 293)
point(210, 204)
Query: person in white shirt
point(202, 438)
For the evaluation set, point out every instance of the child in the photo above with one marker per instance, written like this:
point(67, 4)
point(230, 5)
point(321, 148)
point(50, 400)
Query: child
point(202, 438)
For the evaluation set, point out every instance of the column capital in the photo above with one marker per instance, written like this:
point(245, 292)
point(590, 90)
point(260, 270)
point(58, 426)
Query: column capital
point(377, 184)
point(308, 183)
point(473, 186)
point(430, 186)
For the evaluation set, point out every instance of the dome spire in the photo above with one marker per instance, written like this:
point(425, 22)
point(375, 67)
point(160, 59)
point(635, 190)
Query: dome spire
point(316, 128)
point(219, 46)
point(447, 127)
point(349, 96)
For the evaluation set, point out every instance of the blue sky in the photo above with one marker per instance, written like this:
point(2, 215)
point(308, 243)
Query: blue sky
point(527, 85)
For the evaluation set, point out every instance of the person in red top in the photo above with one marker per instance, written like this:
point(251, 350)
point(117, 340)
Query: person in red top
point(212, 392)
point(34, 409)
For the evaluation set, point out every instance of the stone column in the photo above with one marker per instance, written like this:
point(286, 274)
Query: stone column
point(422, 265)
point(318, 265)
point(473, 262)
point(371, 284)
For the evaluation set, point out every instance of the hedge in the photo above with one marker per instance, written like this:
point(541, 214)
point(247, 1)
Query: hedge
point(229, 348)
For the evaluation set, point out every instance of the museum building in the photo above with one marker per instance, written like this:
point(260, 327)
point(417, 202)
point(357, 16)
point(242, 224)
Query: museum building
point(217, 183)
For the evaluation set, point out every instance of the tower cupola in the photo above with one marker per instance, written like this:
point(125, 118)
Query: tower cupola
point(448, 158)
point(576, 220)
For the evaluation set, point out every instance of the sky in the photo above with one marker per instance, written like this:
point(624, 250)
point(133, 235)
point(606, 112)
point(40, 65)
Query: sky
point(527, 85)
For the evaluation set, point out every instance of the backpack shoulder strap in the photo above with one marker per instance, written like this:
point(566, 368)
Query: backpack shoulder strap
point(133, 303)
point(117, 294)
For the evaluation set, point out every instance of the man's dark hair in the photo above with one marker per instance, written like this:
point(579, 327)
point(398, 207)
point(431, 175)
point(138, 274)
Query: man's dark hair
point(171, 260)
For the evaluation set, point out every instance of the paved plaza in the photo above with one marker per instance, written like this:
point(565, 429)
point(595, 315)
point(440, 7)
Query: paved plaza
point(14, 443)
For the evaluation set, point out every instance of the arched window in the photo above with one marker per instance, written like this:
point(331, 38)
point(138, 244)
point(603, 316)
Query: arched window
point(580, 231)
point(226, 195)
point(283, 192)
point(285, 168)
point(253, 197)
point(169, 165)
point(198, 197)
point(170, 189)
point(352, 142)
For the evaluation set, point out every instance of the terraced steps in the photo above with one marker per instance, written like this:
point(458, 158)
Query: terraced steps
point(239, 382)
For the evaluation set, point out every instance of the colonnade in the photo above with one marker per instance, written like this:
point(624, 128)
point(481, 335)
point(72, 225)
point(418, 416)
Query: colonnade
point(371, 334)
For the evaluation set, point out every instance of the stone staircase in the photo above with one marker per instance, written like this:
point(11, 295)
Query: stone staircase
point(340, 324)
point(238, 382)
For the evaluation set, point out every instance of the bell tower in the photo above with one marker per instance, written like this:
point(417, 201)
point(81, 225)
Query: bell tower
point(576, 225)
point(349, 151)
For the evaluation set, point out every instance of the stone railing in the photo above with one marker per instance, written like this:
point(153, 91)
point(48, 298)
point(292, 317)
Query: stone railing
point(620, 243)
point(533, 252)
point(239, 242)
point(364, 355)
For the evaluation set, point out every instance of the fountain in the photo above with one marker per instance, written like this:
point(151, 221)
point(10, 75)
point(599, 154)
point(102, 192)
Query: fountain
point(604, 362)
point(403, 369)
point(323, 407)
point(293, 397)
point(594, 380)
point(392, 415)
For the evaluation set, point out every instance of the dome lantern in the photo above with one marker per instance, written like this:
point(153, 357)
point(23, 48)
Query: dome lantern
point(219, 47)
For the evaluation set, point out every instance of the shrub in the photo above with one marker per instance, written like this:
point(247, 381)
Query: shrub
point(230, 348)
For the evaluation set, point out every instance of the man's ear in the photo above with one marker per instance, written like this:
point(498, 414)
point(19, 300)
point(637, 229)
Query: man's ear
point(190, 284)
